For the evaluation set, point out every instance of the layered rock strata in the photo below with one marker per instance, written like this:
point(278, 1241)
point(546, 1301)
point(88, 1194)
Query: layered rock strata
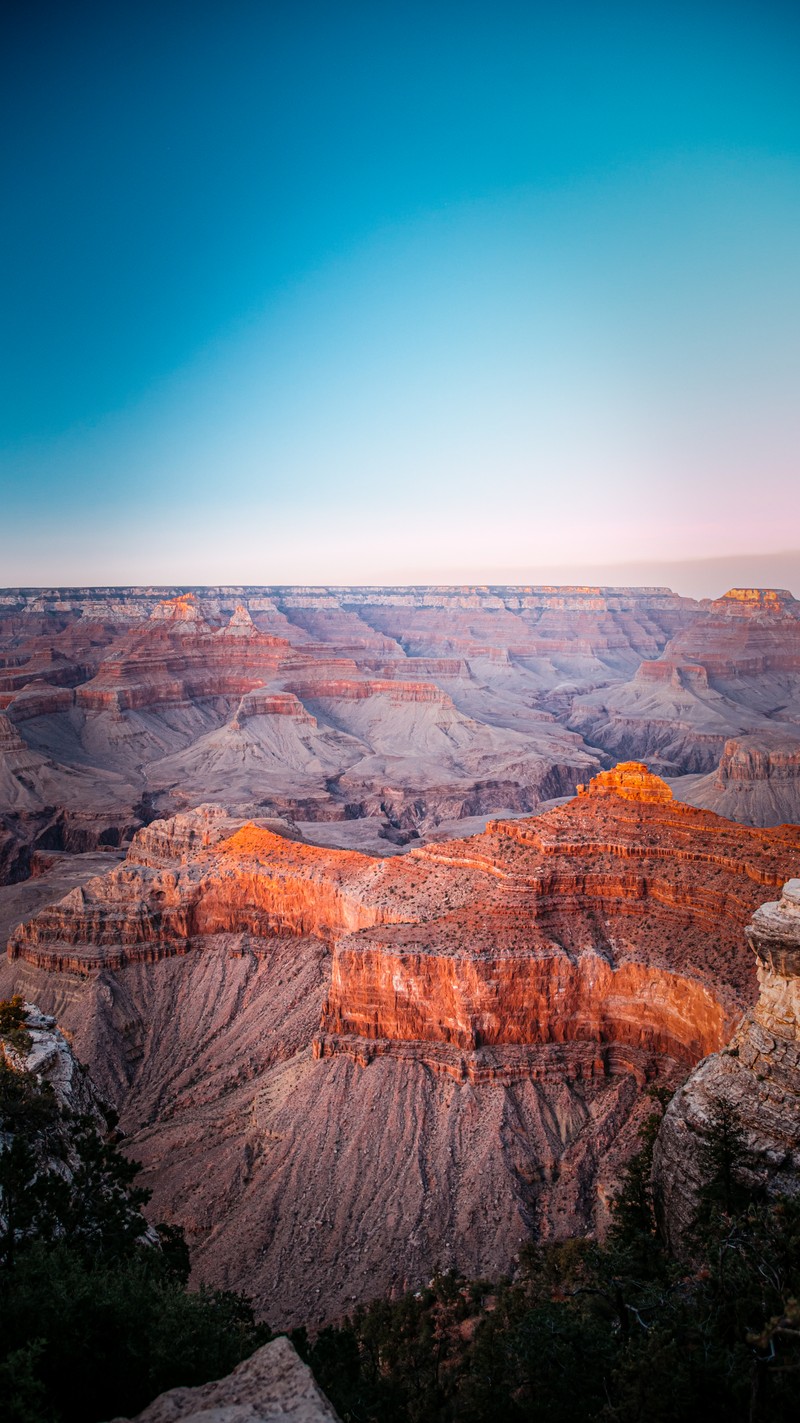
point(757, 1075)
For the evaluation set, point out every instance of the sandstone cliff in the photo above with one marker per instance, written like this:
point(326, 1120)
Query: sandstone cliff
point(733, 671)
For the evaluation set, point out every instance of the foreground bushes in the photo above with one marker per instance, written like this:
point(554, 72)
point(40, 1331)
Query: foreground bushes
point(95, 1317)
point(84, 1341)
point(618, 1333)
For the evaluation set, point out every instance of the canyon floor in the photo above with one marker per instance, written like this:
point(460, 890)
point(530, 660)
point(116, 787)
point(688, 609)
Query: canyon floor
point(337, 894)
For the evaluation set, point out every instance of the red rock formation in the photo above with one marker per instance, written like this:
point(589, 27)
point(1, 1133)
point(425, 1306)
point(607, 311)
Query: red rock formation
point(747, 632)
point(537, 931)
point(359, 690)
point(179, 658)
point(38, 698)
point(630, 780)
point(733, 670)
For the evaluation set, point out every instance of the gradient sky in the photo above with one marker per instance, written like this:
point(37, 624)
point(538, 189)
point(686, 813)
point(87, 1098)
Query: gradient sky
point(378, 293)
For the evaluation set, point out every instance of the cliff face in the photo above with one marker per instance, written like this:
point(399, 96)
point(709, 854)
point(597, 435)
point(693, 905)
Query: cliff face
point(402, 707)
point(462, 939)
point(296, 701)
point(757, 1074)
point(49, 1057)
point(614, 919)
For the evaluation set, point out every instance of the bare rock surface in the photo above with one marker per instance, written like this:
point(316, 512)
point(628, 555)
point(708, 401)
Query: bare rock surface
point(272, 1386)
point(410, 707)
point(406, 706)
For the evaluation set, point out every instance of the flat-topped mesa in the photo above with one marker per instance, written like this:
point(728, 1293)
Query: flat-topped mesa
point(38, 698)
point(765, 756)
point(261, 702)
point(667, 671)
point(180, 610)
point(757, 1078)
point(758, 600)
point(632, 781)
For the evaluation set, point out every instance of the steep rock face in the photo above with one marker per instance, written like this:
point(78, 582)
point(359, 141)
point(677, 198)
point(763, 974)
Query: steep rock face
point(631, 780)
point(177, 658)
point(667, 713)
point(757, 781)
point(749, 631)
point(757, 1074)
point(591, 922)
point(409, 707)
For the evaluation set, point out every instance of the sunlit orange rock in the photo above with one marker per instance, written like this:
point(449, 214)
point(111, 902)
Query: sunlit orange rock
point(632, 781)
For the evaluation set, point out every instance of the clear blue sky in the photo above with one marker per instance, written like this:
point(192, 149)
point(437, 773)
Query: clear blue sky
point(344, 292)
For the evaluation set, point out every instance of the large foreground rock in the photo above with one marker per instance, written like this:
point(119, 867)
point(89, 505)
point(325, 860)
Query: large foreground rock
point(758, 1075)
point(273, 1384)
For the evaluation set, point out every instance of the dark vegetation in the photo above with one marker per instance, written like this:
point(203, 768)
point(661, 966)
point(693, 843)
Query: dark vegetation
point(95, 1316)
point(96, 1319)
point(618, 1333)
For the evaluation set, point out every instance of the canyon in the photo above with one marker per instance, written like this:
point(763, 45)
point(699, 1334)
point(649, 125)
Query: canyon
point(372, 718)
point(340, 1070)
point(377, 912)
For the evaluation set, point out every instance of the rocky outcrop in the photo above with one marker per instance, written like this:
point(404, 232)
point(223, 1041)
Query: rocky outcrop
point(272, 1386)
point(178, 657)
point(746, 633)
point(631, 780)
point(757, 1076)
point(44, 1051)
point(732, 671)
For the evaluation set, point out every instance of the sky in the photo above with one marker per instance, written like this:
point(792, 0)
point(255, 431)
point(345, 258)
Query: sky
point(383, 293)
